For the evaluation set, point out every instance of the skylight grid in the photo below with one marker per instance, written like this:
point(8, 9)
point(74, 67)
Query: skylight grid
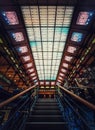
point(47, 28)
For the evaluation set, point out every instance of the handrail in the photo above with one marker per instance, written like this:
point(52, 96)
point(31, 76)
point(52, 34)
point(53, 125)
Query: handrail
point(15, 97)
point(88, 104)
point(80, 85)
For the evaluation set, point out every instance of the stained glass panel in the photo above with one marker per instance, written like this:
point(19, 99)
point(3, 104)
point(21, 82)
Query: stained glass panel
point(84, 17)
point(10, 17)
point(18, 36)
point(76, 36)
point(47, 36)
point(22, 49)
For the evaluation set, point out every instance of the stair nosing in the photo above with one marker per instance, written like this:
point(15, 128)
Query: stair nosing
point(46, 122)
point(45, 116)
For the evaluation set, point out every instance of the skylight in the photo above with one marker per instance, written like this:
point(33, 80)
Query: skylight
point(47, 28)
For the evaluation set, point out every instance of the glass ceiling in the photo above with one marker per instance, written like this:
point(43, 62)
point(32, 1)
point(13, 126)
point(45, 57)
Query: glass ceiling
point(47, 28)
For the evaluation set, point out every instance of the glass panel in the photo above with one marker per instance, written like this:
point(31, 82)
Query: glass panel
point(76, 36)
point(26, 58)
point(68, 58)
point(84, 17)
point(63, 70)
point(47, 37)
point(30, 70)
point(61, 74)
point(22, 49)
point(18, 37)
point(10, 17)
point(65, 65)
point(71, 49)
point(29, 65)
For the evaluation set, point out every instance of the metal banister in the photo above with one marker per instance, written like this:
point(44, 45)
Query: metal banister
point(15, 97)
point(88, 104)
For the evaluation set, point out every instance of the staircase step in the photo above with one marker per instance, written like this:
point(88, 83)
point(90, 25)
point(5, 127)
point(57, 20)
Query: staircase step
point(45, 118)
point(46, 108)
point(46, 104)
point(46, 112)
point(47, 101)
point(46, 123)
point(46, 115)
point(46, 126)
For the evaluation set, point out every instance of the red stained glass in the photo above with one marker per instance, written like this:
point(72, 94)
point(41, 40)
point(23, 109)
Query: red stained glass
point(11, 17)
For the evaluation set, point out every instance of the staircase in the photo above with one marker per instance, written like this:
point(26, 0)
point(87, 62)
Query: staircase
point(46, 115)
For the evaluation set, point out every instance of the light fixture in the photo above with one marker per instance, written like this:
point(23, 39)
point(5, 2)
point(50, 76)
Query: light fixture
point(42, 87)
point(29, 65)
point(68, 58)
point(52, 83)
point(60, 78)
point(10, 17)
point(30, 70)
point(26, 58)
point(71, 49)
point(47, 83)
point(1, 41)
point(22, 49)
point(33, 74)
point(77, 37)
point(18, 36)
point(34, 78)
point(65, 65)
point(63, 70)
point(42, 83)
point(84, 17)
point(52, 86)
point(36, 83)
point(47, 86)
point(61, 74)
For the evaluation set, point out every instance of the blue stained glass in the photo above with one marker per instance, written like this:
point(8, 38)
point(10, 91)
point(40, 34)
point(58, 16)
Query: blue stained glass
point(33, 44)
point(65, 30)
point(77, 37)
point(53, 78)
point(62, 30)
